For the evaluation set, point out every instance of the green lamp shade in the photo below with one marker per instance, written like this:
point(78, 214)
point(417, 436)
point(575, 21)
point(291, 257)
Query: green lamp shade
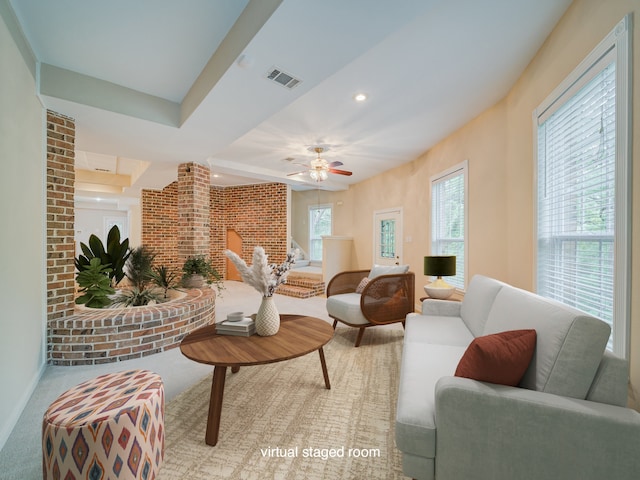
point(440, 265)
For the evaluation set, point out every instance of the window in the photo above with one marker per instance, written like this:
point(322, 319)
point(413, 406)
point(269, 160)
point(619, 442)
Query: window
point(448, 218)
point(319, 225)
point(583, 195)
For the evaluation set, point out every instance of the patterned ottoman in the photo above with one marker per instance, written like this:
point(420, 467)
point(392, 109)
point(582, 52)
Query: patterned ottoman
point(111, 427)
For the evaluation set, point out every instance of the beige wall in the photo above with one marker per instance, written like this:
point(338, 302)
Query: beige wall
point(22, 247)
point(498, 145)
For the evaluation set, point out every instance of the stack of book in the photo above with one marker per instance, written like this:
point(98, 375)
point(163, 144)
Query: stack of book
point(242, 328)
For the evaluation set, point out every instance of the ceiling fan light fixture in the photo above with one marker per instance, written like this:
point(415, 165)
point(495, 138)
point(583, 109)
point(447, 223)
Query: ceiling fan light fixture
point(318, 175)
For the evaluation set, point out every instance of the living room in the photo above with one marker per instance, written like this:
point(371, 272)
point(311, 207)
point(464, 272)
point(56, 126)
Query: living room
point(498, 145)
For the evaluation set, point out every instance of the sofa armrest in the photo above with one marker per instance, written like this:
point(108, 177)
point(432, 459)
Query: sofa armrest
point(495, 432)
point(345, 282)
point(441, 308)
point(388, 298)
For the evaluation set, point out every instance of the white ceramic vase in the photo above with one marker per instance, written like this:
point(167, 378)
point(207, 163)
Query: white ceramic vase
point(267, 318)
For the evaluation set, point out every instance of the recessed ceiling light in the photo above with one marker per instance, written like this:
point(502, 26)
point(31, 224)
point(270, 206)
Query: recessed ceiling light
point(360, 97)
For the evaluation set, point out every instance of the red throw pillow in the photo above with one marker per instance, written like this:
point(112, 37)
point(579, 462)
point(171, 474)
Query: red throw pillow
point(501, 358)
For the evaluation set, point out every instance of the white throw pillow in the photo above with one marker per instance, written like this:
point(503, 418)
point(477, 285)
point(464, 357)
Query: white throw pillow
point(378, 270)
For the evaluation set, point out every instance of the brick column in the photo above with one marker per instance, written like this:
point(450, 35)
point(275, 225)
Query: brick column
point(193, 210)
point(61, 132)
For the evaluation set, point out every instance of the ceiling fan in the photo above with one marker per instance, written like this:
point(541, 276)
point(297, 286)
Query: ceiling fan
point(319, 169)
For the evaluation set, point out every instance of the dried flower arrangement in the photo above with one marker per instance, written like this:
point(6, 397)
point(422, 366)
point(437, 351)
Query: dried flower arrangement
point(261, 275)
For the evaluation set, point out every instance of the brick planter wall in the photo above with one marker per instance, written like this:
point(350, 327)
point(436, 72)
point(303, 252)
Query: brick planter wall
point(93, 336)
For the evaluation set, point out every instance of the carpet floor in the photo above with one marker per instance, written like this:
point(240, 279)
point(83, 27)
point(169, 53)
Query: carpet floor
point(280, 422)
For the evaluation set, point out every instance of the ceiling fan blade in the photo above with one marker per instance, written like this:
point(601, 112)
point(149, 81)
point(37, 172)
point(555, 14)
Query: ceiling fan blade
point(296, 173)
point(335, 164)
point(340, 172)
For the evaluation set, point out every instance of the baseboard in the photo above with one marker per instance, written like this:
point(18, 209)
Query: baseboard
point(11, 420)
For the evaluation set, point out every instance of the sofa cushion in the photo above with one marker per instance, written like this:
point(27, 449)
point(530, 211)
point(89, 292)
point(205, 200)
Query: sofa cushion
point(436, 329)
point(501, 358)
point(569, 343)
point(477, 302)
point(422, 367)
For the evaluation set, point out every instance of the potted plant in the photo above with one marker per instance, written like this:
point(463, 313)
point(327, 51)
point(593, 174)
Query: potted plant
point(198, 271)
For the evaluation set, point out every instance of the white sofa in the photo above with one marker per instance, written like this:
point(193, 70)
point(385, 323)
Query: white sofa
point(566, 420)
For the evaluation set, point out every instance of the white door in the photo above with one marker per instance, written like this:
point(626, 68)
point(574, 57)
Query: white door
point(387, 237)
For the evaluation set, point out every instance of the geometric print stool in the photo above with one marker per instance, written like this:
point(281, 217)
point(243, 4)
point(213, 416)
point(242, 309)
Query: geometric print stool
point(111, 427)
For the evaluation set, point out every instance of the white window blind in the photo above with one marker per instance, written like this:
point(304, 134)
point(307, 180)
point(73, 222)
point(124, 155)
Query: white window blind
point(581, 198)
point(448, 214)
point(576, 199)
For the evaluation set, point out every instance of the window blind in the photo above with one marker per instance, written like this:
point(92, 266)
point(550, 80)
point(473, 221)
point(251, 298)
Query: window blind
point(577, 196)
point(448, 220)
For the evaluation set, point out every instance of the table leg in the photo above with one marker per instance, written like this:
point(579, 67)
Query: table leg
point(324, 369)
point(215, 405)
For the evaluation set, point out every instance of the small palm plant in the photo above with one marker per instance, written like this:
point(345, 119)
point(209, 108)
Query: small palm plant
point(139, 272)
point(165, 278)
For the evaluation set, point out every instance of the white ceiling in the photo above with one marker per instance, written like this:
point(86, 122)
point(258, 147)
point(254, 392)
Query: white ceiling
point(160, 82)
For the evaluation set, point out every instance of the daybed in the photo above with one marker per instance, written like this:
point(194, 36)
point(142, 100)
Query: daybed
point(566, 419)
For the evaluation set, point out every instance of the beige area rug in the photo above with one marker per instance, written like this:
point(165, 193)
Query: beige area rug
point(280, 422)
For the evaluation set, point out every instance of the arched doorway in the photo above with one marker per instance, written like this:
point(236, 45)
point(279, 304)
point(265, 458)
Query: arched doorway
point(234, 243)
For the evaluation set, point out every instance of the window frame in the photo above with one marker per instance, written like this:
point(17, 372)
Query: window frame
point(618, 43)
point(325, 206)
point(463, 169)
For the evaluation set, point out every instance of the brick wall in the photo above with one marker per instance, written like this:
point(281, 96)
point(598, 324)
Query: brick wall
point(160, 224)
point(193, 210)
point(60, 215)
point(257, 212)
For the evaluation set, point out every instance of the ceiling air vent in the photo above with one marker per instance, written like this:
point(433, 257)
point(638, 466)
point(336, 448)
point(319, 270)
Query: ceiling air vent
point(282, 78)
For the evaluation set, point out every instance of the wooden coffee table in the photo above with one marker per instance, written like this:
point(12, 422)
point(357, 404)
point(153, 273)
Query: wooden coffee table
point(298, 335)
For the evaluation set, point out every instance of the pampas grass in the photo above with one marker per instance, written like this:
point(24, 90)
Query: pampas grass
point(261, 275)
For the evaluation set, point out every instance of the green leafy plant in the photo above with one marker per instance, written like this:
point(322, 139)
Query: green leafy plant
point(140, 267)
point(199, 265)
point(95, 284)
point(165, 278)
point(135, 297)
point(115, 254)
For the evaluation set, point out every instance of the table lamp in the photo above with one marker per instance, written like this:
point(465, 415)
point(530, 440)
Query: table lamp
point(439, 266)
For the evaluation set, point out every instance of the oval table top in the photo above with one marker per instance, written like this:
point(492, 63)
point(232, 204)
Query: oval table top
point(298, 335)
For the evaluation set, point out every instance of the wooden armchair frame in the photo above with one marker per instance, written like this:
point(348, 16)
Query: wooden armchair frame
point(385, 299)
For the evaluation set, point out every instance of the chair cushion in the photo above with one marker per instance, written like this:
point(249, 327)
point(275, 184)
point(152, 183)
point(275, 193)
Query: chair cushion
point(378, 270)
point(501, 358)
point(346, 307)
